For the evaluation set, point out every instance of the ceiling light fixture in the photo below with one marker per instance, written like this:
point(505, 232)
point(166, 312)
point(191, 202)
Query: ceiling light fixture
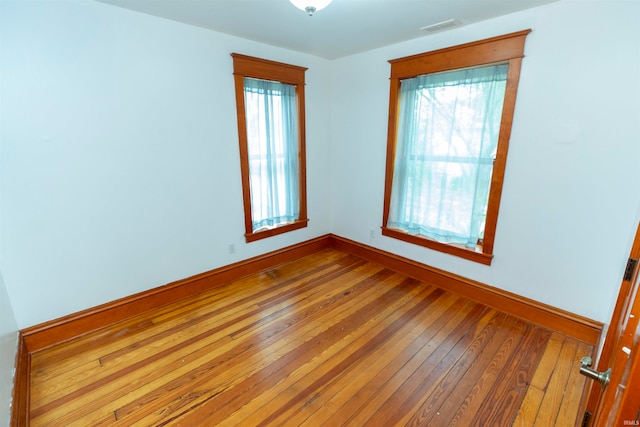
point(310, 6)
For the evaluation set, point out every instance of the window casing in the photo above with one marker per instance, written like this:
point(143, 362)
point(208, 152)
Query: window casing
point(430, 75)
point(271, 133)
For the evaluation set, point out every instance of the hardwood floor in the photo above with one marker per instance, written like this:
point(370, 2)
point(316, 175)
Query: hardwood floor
point(328, 339)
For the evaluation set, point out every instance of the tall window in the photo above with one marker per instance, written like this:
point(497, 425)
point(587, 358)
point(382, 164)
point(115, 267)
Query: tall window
point(450, 121)
point(270, 106)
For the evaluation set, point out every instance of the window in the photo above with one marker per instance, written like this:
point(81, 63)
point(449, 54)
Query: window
point(450, 117)
point(271, 129)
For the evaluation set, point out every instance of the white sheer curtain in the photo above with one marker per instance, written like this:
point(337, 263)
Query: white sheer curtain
point(272, 136)
point(446, 143)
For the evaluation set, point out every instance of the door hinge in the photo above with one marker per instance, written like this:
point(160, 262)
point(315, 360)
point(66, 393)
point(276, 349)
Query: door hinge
point(586, 419)
point(631, 268)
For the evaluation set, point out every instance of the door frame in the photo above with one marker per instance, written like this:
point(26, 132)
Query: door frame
point(600, 403)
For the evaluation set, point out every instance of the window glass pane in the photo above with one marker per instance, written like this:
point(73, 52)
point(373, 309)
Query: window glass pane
point(448, 129)
point(272, 140)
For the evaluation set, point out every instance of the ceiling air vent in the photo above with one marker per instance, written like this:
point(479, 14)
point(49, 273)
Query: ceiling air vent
point(444, 25)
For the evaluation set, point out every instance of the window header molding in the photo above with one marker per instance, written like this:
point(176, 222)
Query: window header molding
point(258, 68)
point(487, 51)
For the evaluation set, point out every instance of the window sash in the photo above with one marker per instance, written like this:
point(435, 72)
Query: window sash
point(446, 143)
point(272, 141)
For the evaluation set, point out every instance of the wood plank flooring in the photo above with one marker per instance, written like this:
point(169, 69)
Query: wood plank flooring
point(325, 340)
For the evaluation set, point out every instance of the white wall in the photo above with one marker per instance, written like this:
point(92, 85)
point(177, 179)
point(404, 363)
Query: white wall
point(8, 325)
point(8, 346)
point(570, 200)
point(120, 164)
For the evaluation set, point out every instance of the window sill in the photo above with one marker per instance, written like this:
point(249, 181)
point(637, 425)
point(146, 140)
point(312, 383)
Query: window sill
point(475, 255)
point(263, 234)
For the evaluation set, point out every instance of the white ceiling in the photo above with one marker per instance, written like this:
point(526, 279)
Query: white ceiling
point(345, 27)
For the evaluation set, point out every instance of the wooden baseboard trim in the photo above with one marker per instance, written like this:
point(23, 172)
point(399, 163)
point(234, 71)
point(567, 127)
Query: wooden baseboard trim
point(20, 394)
point(558, 320)
point(59, 330)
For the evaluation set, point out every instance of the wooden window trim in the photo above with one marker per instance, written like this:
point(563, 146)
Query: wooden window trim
point(508, 48)
point(247, 66)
